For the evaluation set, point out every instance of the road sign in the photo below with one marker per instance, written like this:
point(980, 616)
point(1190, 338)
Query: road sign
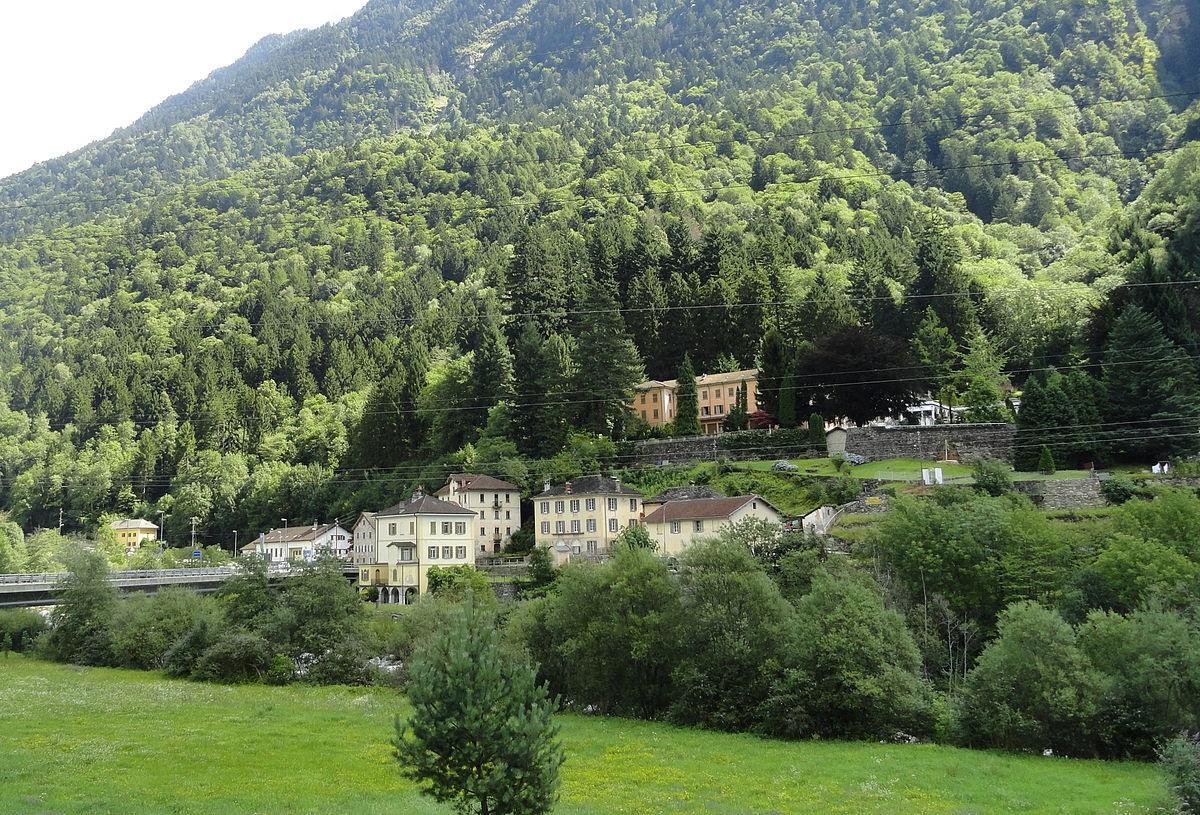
point(197, 554)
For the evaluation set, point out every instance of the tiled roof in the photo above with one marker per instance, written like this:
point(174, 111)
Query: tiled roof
point(588, 485)
point(426, 505)
point(689, 493)
point(133, 523)
point(475, 481)
point(369, 517)
point(297, 534)
point(732, 377)
point(699, 509)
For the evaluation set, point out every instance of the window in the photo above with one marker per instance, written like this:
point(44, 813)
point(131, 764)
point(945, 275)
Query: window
point(731, 391)
point(612, 524)
point(365, 575)
point(408, 554)
point(460, 528)
point(508, 515)
point(482, 498)
point(546, 506)
point(447, 552)
point(633, 505)
point(699, 526)
point(508, 497)
point(704, 410)
point(704, 394)
point(394, 578)
point(508, 530)
point(391, 529)
point(482, 531)
point(482, 515)
point(575, 505)
point(447, 527)
point(433, 550)
point(643, 399)
point(558, 507)
point(497, 532)
point(560, 527)
point(655, 413)
point(674, 527)
point(590, 504)
point(591, 547)
point(412, 527)
point(433, 527)
point(575, 527)
point(591, 524)
point(545, 527)
point(496, 514)
point(720, 409)
point(460, 552)
point(654, 396)
point(612, 504)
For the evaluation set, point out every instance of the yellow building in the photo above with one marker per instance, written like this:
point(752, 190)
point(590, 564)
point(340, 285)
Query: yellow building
point(583, 516)
point(132, 532)
point(412, 537)
point(496, 503)
point(675, 524)
point(657, 404)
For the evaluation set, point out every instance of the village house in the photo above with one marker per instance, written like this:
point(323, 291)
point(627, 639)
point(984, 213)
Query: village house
point(410, 539)
point(676, 524)
point(584, 516)
point(687, 493)
point(657, 402)
point(132, 532)
point(363, 544)
point(496, 503)
point(305, 543)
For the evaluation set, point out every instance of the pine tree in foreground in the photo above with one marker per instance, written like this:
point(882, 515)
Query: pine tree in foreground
point(481, 734)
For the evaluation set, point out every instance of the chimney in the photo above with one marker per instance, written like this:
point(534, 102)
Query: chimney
point(418, 494)
point(617, 482)
point(546, 485)
point(568, 488)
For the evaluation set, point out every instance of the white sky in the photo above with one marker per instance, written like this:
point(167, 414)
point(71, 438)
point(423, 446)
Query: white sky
point(72, 71)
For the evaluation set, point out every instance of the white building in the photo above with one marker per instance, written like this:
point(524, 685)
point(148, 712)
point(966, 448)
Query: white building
point(305, 543)
point(676, 524)
point(496, 504)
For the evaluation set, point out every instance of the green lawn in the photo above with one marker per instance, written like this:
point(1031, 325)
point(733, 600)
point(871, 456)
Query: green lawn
point(93, 741)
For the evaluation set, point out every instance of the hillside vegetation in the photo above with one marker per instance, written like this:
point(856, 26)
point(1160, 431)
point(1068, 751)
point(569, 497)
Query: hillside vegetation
point(304, 285)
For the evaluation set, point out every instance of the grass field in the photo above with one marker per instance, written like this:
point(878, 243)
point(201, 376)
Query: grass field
point(93, 741)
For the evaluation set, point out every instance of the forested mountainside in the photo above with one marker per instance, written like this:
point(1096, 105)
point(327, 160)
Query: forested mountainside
point(297, 289)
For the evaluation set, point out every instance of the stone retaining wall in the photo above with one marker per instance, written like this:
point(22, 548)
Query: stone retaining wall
point(691, 449)
point(964, 442)
point(1063, 493)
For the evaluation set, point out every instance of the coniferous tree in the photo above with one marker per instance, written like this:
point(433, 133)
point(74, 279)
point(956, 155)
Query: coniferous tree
point(816, 431)
point(608, 365)
point(937, 353)
point(1152, 394)
point(687, 411)
point(481, 733)
point(392, 428)
point(979, 381)
point(940, 283)
point(738, 416)
point(776, 364)
point(491, 374)
point(1046, 419)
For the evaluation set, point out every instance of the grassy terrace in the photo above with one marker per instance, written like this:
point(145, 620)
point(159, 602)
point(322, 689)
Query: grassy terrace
point(104, 741)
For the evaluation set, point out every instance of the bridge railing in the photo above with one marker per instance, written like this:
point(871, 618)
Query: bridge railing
point(148, 574)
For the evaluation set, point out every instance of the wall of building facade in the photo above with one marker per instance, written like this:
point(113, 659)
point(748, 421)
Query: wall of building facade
point(583, 524)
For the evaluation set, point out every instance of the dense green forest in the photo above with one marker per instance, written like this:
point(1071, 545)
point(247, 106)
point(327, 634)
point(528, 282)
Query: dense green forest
point(442, 236)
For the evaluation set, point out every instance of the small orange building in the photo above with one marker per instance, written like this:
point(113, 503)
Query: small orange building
point(656, 402)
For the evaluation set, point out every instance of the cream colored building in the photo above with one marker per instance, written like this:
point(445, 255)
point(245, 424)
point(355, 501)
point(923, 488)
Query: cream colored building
point(362, 549)
point(496, 504)
point(716, 395)
point(131, 532)
point(583, 516)
point(675, 524)
point(411, 538)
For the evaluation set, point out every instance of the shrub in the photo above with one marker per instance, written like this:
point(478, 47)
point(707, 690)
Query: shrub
point(1046, 461)
point(992, 477)
point(344, 663)
point(1179, 760)
point(81, 622)
point(181, 658)
point(236, 656)
point(842, 490)
point(733, 632)
point(1032, 687)
point(816, 431)
point(454, 583)
point(1117, 490)
point(855, 670)
point(146, 627)
point(20, 629)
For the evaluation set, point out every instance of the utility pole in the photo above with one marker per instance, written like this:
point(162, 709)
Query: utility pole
point(194, 533)
point(235, 549)
point(60, 521)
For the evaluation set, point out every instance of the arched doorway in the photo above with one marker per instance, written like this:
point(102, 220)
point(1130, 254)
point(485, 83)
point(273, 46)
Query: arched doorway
point(410, 596)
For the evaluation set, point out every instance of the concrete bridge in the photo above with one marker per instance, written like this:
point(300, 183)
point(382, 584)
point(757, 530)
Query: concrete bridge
point(27, 590)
